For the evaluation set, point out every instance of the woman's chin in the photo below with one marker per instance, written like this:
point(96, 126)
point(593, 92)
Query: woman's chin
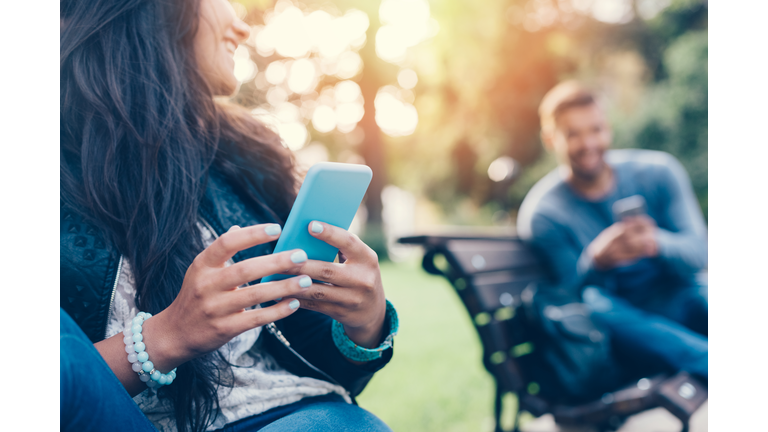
point(226, 88)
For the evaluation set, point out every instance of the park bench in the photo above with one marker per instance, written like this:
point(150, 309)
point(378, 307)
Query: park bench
point(490, 274)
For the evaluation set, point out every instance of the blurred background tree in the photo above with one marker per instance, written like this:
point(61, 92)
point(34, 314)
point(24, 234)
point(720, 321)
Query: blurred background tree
point(440, 98)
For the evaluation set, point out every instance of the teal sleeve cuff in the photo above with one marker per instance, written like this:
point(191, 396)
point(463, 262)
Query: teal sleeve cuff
point(355, 352)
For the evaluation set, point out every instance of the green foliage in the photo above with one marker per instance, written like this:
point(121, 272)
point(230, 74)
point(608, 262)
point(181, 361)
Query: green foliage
point(673, 114)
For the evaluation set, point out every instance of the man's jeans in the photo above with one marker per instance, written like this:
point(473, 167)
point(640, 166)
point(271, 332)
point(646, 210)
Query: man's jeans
point(665, 334)
point(92, 399)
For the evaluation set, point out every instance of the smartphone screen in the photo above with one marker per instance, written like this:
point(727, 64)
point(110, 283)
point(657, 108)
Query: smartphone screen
point(630, 206)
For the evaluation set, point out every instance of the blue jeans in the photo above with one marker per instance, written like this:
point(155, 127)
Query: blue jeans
point(93, 399)
point(666, 332)
point(327, 413)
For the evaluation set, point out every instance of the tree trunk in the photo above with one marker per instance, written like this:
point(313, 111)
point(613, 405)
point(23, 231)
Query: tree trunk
point(372, 148)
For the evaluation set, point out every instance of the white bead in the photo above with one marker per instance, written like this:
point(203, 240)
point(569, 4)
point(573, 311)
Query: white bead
point(144, 377)
point(129, 349)
point(127, 332)
point(151, 384)
point(133, 358)
point(136, 367)
point(128, 340)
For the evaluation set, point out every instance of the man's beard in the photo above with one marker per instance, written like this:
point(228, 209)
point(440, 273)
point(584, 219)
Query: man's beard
point(588, 176)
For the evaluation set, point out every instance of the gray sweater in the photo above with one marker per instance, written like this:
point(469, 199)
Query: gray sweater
point(560, 224)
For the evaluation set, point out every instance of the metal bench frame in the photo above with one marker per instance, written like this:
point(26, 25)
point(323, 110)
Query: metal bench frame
point(490, 274)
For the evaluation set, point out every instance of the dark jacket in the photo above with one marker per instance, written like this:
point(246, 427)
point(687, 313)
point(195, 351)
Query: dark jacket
point(301, 343)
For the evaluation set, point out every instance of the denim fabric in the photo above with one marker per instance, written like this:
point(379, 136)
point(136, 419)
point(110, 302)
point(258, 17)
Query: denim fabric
point(328, 413)
point(666, 334)
point(92, 398)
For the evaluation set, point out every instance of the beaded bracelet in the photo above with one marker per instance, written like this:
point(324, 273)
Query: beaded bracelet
point(139, 358)
point(354, 351)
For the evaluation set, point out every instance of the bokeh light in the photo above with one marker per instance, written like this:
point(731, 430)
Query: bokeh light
point(407, 78)
point(302, 76)
point(286, 122)
point(276, 72)
point(290, 33)
point(324, 119)
point(294, 134)
point(406, 23)
point(311, 154)
point(276, 96)
point(612, 11)
point(245, 68)
point(347, 91)
point(394, 117)
point(349, 65)
point(503, 168)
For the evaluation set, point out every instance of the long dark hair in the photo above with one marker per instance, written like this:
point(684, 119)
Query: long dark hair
point(139, 133)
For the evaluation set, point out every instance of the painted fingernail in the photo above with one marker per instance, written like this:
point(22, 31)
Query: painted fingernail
point(234, 227)
point(317, 228)
point(305, 282)
point(299, 256)
point(272, 229)
point(294, 304)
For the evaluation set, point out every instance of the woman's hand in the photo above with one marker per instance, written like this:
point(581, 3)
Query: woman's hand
point(354, 295)
point(210, 309)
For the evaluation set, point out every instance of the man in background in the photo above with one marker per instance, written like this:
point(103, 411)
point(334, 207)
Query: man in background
point(636, 270)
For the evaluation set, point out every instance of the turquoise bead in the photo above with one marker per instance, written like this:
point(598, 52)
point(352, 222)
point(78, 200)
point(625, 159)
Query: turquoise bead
point(139, 347)
point(163, 380)
point(142, 357)
point(156, 376)
point(147, 366)
point(137, 337)
point(136, 328)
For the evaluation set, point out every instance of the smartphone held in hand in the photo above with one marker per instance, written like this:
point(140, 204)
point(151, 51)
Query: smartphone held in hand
point(627, 207)
point(331, 193)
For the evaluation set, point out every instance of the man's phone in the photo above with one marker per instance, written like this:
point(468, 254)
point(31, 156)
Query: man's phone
point(627, 207)
point(331, 193)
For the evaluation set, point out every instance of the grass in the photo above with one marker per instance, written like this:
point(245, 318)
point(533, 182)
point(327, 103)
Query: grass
point(436, 380)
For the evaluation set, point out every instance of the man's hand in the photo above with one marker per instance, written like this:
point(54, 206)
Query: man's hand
point(631, 239)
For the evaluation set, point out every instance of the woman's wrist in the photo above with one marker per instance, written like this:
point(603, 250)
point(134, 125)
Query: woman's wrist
point(368, 336)
point(138, 356)
point(360, 354)
point(162, 345)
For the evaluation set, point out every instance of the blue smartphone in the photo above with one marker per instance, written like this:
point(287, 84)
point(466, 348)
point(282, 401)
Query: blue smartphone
point(331, 193)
